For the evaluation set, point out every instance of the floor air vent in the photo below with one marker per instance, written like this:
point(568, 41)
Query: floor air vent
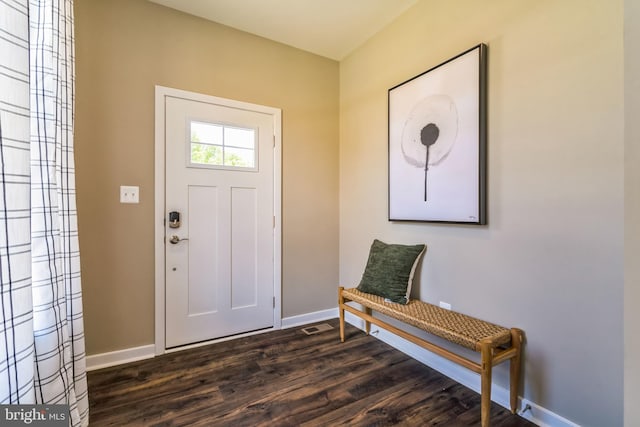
point(316, 329)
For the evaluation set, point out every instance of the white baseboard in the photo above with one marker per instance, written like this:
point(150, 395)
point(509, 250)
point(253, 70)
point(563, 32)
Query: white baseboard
point(500, 395)
point(543, 417)
point(113, 358)
point(305, 319)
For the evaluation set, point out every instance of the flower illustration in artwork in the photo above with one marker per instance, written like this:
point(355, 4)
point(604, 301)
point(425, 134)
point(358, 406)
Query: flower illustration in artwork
point(429, 133)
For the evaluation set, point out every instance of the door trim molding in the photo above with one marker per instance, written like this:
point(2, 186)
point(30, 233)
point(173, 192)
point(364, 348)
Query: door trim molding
point(161, 93)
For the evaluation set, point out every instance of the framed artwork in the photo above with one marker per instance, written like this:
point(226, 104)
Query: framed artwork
point(437, 142)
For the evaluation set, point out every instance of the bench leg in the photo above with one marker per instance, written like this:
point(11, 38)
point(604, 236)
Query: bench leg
point(341, 312)
point(485, 387)
point(367, 324)
point(514, 367)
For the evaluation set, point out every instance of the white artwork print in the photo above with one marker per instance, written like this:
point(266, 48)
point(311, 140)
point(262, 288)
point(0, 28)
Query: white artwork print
point(434, 144)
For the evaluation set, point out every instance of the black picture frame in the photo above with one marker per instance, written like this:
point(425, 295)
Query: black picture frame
point(438, 143)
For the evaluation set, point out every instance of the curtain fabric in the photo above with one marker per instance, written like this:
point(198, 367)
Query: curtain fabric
point(16, 314)
point(56, 355)
point(60, 374)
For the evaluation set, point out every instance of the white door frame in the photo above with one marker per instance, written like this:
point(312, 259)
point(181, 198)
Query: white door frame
point(160, 211)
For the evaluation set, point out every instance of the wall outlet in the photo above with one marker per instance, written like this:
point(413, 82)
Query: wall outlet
point(445, 305)
point(129, 194)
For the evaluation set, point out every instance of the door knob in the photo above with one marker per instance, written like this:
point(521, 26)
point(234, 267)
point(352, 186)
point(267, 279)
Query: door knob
point(175, 239)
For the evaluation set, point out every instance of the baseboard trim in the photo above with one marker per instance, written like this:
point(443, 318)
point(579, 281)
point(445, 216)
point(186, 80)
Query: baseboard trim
point(500, 395)
point(544, 417)
point(113, 358)
point(305, 319)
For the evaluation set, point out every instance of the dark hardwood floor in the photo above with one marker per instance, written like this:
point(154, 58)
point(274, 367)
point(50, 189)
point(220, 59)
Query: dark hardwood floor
point(285, 378)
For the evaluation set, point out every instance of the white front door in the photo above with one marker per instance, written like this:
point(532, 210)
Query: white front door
point(219, 210)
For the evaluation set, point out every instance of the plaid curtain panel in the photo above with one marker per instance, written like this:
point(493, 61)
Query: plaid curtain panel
point(16, 338)
point(52, 333)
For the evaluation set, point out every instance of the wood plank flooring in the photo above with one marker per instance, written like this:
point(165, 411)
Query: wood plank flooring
point(285, 378)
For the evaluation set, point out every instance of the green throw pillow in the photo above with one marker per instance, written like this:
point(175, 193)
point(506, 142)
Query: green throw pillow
point(390, 269)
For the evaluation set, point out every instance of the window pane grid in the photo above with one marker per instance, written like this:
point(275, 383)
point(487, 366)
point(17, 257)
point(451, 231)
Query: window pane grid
point(214, 144)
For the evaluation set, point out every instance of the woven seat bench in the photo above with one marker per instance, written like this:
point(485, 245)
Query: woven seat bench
point(495, 343)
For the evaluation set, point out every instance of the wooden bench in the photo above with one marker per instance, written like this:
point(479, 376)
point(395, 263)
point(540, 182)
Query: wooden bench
point(495, 343)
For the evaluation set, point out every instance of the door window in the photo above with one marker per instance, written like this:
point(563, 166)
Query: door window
point(221, 146)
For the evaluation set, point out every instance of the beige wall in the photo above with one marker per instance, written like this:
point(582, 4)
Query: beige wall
point(551, 259)
point(123, 49)
point(632, 214)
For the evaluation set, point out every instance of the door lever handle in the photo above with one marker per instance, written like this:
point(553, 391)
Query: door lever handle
point(175, 239)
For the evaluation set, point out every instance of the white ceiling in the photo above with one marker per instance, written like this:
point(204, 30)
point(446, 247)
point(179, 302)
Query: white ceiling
point(330, 28)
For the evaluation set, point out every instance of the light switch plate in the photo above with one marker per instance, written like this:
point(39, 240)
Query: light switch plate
point(129, 194)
